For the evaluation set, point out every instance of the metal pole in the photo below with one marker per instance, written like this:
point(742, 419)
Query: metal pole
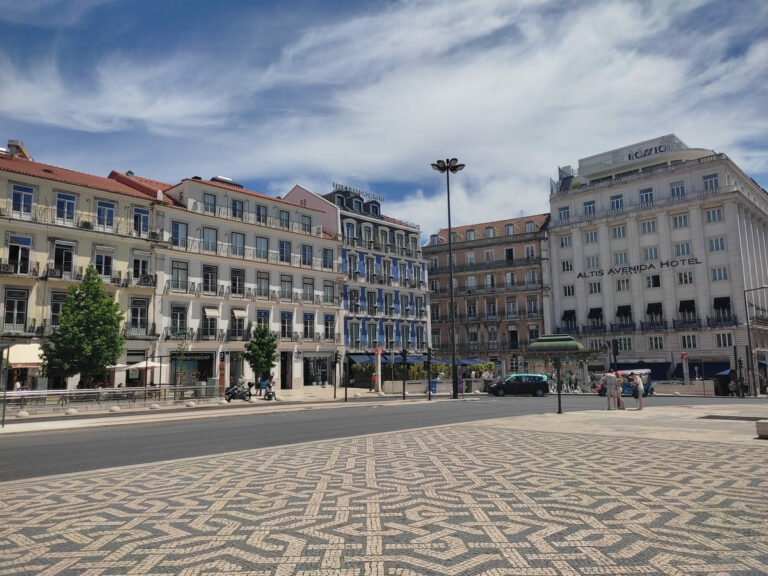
point(429, 371)
point(454, 372)
point(749, 343)
point(405, 371)
point(4, 380)
point(346, 375)
point(559, 386)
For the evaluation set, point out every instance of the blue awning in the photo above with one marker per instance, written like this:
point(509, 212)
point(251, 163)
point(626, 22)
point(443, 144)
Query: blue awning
point(705, 369)
point(363, 359)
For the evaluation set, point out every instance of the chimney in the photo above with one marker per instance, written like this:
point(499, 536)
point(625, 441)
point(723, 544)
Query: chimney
point(16, 148)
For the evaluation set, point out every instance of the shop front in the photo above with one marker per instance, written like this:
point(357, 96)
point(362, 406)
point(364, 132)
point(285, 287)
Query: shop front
point(24, 364)
point(189, 368)
point(317, 368)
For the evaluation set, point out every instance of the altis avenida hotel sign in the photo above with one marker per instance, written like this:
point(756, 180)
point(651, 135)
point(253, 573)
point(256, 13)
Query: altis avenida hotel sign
point(640, 268)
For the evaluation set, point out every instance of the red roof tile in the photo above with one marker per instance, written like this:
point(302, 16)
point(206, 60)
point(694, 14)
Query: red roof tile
point(539, 220)
point(34, 169)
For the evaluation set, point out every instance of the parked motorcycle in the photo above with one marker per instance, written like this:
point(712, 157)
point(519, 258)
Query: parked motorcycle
point(269, 391)
point(238, 390)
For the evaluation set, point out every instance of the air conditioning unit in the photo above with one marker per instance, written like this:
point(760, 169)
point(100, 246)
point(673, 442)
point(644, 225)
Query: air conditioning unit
point(154, 235)
point(86, 225)
point(146, 279)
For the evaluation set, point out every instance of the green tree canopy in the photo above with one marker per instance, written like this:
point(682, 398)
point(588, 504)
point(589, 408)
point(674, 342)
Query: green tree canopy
point(88, 336)
point(261, 350)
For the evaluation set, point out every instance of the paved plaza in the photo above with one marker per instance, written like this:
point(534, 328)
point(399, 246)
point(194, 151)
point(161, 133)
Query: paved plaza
point(661, 491)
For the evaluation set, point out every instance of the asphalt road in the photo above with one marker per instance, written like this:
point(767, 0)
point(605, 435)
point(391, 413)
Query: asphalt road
point(47, 453)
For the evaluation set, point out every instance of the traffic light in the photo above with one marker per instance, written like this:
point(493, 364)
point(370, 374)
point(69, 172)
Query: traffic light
point(405, 355)
point(336, 359)
point(615, 347)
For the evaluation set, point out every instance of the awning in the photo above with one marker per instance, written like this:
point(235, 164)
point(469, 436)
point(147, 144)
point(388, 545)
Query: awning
point(687, 306)
point(702, 369)
point(595, 313)
point(653, 308)
point(238, 313)
point(211, 311)
point(569, 315)
point(143, 365)
point(722, 303)
point(24, 356)
point(364, 359)
point(624, 311)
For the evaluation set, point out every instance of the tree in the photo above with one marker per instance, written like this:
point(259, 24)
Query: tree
point(88, 337)
point(261, 350)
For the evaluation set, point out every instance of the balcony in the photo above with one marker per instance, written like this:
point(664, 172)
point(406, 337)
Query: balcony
point(653, 326)
point(53, 272)
point(237, 335)
point(687, 324)
point(178, 333)
point(20, 268)
point(143, 280)
point(249, 217)
point(721, 321)
point(623, 327)
point(593, 329)
point(568, 329)
point(140, 332)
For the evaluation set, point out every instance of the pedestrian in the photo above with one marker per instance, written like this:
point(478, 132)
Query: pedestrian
point(608, 382)
point(573, 381)
point(373, 382)
point(637, 389)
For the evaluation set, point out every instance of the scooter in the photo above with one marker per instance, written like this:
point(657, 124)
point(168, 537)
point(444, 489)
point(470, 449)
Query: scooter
point(238, 390)
point(269, 391)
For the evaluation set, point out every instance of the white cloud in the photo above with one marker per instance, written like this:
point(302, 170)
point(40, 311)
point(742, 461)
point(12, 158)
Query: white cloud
point(47, 13)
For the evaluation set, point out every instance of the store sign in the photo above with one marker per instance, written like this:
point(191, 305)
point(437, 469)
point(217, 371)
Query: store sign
point(640, 268)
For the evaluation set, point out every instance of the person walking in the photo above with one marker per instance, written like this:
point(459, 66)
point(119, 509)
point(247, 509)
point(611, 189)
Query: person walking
point(637, 389)
point(373, 382)
point(608, 382)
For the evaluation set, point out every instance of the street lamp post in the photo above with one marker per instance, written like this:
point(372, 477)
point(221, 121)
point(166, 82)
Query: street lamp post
point(448, 166)
point(750, 359)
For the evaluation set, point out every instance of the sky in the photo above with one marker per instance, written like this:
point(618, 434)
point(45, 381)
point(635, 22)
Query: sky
point(370, 93)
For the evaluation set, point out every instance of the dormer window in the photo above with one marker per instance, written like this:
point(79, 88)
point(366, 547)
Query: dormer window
point(374, 210)
point(530, 227)
point(433, 240)
point(357, 205)
point(470, 235)
point(489, 232)
point(340, 201)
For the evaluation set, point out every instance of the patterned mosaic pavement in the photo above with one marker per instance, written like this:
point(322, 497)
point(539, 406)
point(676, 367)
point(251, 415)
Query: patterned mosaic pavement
point(462, 499)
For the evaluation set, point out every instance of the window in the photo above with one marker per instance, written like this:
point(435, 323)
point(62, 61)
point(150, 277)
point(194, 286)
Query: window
point(595, 345)
point(653, 281)
point(22, 201)
point(511, 307)
point(63, 256)
point(65, 209)
point(509, 279)
point(685, 277)
point(286, 326)
point(330, 326)
point(648, 226)
point(509, 230)
point(141, 222)
point(655, 343)
point(617, 202)
point(719, 273)
point(329, 291)
point(15, 310)
point(306, 224)
point(210, 279)
point(105, 215)
point(677, 190)
point(589, 208)
point(532, 303)
point(469, 257)
point(261, 214)
point(567, 266)
point(237, 209)
point(568, 290)
point(533, 332)
point(18, 253)
point(374, 210)
point(530, 252)
point(472, 308)
point(285, 251)
point(490, 281)
point(328, 258)
point(594, 288)
point(210, 240)
point(470, 235)
point(724, 340)
point(717, 244)
point(179, 274)
point(103, 263)
point(57, 302)
point(179, 234)
point(489, 232)
point(620, 258)
point(530, 227)
point(619, 232)
point(711, 182)
point(306, 255)
point(683, 249)
point(646, 197)
point(531, 278)
point(564, 213)
point(357, 205)
point(650, 253)
point(565, 241)
point(209, 203)
point(262, 318)
point(688, 341)
point(237, 244)
point(262, 284)
point(590, 237)
point(622, 285)
point(237, 323)
point(593, 262)
point(139, 315)
point(309, 326)
point(489, 256)
point(308, 289)
point(490, 307)
point(680, 221)
point(286, 286)
point(237, 280)
point(285, 219)
point(262, 248)
point(714, 215)
point(624, 343)
point(178, 319)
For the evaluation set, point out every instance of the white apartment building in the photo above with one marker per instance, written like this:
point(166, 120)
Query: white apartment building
point(228, 259)
point(654, 245)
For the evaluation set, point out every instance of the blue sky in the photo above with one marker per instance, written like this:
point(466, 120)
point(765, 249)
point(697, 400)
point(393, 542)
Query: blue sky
point(368, 94)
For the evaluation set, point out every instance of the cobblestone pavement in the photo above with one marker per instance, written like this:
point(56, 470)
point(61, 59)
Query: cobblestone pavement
point(500, 497)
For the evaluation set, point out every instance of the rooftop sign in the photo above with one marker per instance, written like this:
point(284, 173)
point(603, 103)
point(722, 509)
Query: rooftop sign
point(608, 161)
point(369, 195)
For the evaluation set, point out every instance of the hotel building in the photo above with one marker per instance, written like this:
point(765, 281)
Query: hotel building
point(500, 286)
point(653, 246)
